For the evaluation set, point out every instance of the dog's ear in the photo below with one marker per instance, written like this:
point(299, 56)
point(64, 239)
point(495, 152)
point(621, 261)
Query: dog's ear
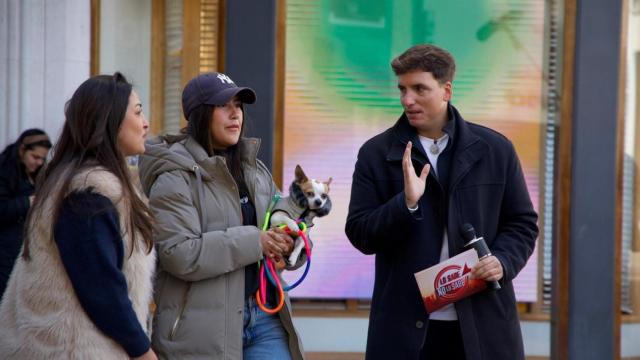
point(326, 184)
point(300, 176)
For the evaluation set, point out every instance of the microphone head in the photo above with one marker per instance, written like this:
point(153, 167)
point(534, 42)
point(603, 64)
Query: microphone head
point(486, 31)
point(492, 26)
point(468, 232)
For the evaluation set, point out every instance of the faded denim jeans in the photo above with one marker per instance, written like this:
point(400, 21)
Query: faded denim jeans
point(263, 336)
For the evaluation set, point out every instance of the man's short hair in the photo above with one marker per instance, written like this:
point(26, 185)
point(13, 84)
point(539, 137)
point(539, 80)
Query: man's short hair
point(428, 58)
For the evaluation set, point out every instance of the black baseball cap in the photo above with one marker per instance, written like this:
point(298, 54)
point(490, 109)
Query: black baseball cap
point(213, 89)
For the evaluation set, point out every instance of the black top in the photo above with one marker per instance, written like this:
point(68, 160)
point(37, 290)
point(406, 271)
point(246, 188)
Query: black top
point(14, 205)
point(88, 237)
point(251, 272)
point(249, 218)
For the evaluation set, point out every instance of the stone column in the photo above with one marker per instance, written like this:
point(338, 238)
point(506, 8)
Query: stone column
point(44, 56)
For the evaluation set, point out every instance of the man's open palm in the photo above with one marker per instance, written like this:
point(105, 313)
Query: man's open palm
point(413, 185)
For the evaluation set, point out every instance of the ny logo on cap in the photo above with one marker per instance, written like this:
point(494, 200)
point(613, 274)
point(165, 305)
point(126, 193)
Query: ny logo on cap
point(225, 79)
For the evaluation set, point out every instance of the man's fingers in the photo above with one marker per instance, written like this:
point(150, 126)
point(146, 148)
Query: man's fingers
point(481, 268)
point(425, 172)
point(407, 151)
point(478, 272)
point(406, 158)
point(483, 274)
point(488, 269)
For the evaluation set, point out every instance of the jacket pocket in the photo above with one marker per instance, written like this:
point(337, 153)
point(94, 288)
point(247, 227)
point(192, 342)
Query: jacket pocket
point(180, 314)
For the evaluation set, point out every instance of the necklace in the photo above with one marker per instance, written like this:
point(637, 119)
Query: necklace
point(438, 145)
point(434, 148)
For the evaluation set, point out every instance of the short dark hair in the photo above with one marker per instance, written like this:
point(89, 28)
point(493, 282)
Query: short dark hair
point(426, 57)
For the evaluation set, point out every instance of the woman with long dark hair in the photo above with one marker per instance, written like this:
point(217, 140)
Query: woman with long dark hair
point(209, 194)
point(82, 287)
point(20, 163)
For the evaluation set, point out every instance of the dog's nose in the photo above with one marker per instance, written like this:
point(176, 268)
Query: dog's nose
point(318, 202)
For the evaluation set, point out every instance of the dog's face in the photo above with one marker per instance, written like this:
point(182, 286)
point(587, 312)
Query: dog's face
point(316, 192)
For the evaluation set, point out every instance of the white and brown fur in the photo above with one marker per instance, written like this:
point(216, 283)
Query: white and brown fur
point(40, 315)
point(307, 199)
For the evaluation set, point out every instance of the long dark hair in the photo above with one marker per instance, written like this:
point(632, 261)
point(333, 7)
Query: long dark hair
point(10, 156)
point(199, 128)
point(90, 138)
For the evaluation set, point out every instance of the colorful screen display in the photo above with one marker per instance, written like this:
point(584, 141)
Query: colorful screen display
point(340, 91)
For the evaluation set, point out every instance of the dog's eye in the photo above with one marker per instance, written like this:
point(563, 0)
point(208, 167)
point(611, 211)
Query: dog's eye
point(310, 193)
point(324, 196)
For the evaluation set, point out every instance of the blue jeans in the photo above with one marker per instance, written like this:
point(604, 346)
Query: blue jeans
point(263, 336)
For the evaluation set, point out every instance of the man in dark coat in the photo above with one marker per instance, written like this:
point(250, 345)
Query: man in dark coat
point(414, 186)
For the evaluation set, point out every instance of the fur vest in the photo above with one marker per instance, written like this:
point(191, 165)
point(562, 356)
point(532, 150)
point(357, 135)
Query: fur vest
point(40, 316)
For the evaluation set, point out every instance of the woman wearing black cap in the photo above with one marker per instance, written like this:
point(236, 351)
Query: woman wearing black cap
point(20, 163)
point(209, 194)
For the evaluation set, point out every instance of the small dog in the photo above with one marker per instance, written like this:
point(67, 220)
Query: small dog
point(307, 199)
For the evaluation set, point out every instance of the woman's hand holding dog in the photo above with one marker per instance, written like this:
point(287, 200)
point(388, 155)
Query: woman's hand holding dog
point(276, 244)
point(413, 185)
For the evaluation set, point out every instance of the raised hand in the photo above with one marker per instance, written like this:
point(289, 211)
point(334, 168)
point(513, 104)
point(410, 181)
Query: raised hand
point(413, 185)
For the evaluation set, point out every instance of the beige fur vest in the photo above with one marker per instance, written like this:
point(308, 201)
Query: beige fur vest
point(40, 316)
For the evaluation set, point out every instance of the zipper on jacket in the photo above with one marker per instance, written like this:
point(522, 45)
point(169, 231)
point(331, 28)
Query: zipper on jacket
point(174, 328)
point(226, 313)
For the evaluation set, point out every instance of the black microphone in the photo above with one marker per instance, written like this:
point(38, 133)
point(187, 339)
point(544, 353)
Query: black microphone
point(478, 243)
point(485, 31)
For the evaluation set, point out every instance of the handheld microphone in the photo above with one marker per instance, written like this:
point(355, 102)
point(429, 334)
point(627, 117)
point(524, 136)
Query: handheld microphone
point(478, 243)
point(492, 26)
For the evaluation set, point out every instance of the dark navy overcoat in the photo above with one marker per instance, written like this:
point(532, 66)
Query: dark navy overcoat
point(485, 188)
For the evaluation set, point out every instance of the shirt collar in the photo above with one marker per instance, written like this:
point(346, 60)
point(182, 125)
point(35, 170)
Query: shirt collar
point(450, 127)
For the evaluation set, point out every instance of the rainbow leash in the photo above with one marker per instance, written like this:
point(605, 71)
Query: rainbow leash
point(267, 269)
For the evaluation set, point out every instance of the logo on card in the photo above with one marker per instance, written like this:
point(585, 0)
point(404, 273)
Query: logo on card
point(451, 280)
